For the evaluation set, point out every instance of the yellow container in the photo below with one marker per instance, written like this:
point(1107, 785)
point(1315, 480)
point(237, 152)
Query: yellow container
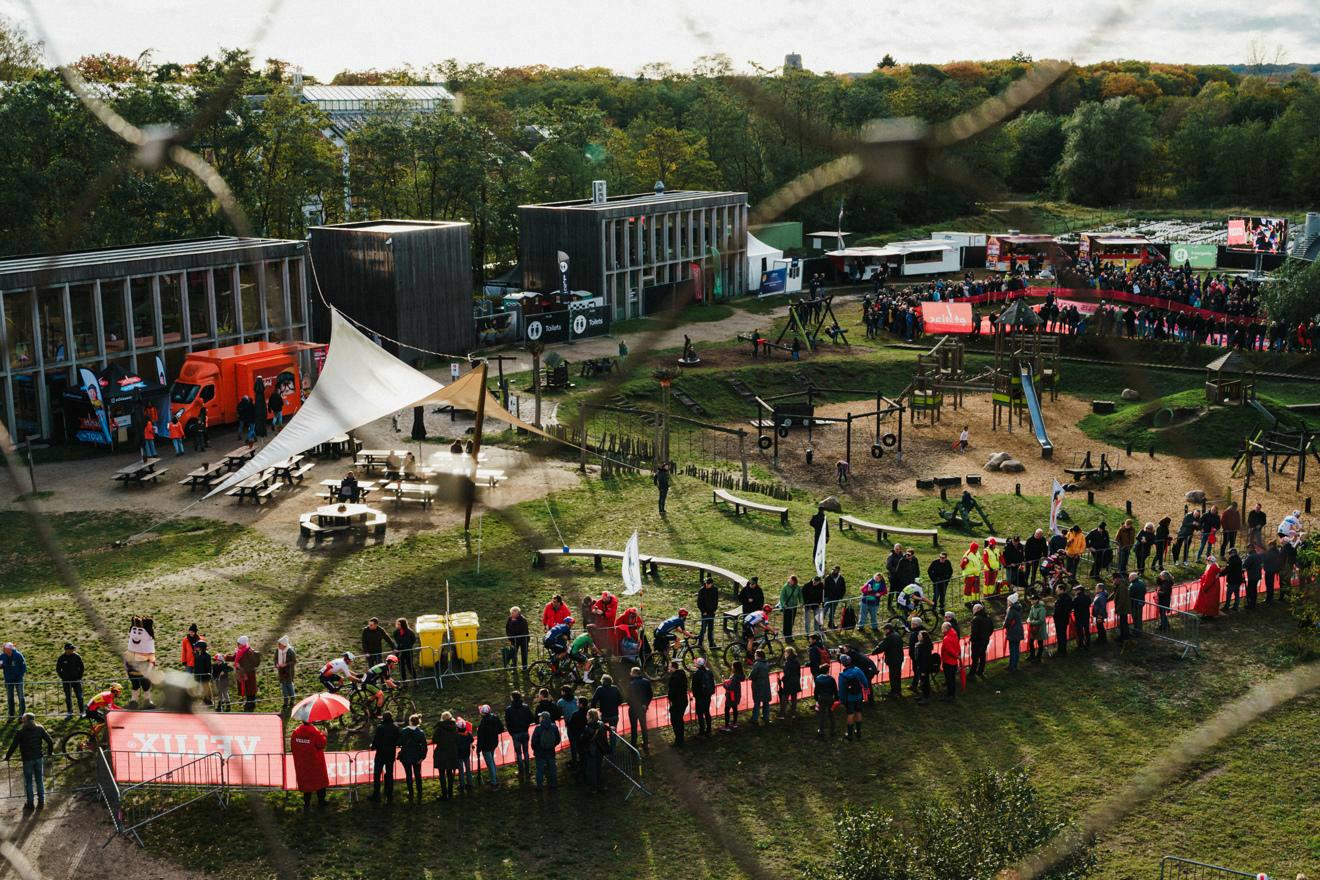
point(431, 629)
point(464, 626)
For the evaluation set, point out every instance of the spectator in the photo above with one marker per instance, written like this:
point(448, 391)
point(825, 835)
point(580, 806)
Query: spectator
point(892, 648)
point(1081, 610)
point(1164, 592)
point(790, 600)
point(940, 572)
point(677, 690)
point(852, 694)
point(14, 668)
point(596, 745)
point(892, 563)
point(1100, 611)
point(405, 646)
point(374, 640)
point(488, 740)
point(751, 596)
point(220, 670)
point(790, 684)
point(1233, 577)
point(1162, 540)
point(923, 665)
point(1273, 564)
point(1013, 631)
point(175, 431)
point(826, 693)
point(640, 695)
point(545, 740)
point(1256, 520)
point(201, 669)
point(70, 670)
point(1144, 544)
point(1015, 562)
point(566, 705)
point(1254, 567)
point(412, 752)
point(813, 597)
point(604, 611)
point(708, 605)
point(246, 661)
point(275, 403)
point(200, 443)
point(519, 635)
point(577, 722)
point(1137, 598)
point(982, 628)
point(703, 690)
point(1074, 548)
point(307, 744)
point(872, 590)
point(836, 590)
point(545, 704)
point(28, 740)
point(385, 747)
point(518, 720)
point(1097, 541)
point(760, 679)
point(733, 686)
point(1125, 537)
point(1034, 550)
point(1182, 545)
point(1207, 595)
point(285, 663)
point(445, 757)
point(950, 657)
point(148, 439)
point(608, 699)
point(348, 489)
point(909, 569)
point(1122, 606)
point(1036, 630)
point(554, 613)
point(1210, 523)
point(661, 480)
point(1230, 522)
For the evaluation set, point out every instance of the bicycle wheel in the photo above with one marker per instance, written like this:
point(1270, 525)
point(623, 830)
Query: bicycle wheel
point(655, 666)
point(687, 658)
point(541, 673)
point(403, 708)
point(77, 745)
point(734, 652)
point(774, 651)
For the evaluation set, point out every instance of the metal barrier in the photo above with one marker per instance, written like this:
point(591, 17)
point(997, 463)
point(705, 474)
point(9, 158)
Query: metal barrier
point(1184, 628)
point(136, 806)
point(59, 775)
point(45, 698)
point(627, 762)
point(1174, 868)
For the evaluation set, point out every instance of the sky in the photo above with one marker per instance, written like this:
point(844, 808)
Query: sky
point(325, 36)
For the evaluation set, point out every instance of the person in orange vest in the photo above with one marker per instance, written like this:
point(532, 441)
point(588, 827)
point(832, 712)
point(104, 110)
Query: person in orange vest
point(972, 566)
point(176, 435)
point(149, 439)
point(992, 560)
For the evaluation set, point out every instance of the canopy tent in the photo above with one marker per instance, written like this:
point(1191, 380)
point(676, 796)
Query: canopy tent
point(761, 258)
point(360, 383)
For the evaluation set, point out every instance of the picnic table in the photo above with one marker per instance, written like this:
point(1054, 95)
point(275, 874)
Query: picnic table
point(140, 473)
point(259, 486)
point(423, 493)
point(206, 476)
point(292, 469)
point(236, 458)
point(376, 458)
point(337, 447)
point(365, 488)
point(353, 518)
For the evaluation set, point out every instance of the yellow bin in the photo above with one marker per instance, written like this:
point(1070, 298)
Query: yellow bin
point(430, 635)
point(465, 625)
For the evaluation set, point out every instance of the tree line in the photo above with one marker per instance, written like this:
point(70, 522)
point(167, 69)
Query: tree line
point(1104, 134)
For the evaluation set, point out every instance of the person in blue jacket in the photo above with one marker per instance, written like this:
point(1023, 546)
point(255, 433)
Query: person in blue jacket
point(14, 668)
point(852, 692)
point(556, 640)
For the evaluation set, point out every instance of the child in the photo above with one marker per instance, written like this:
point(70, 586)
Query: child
point(733, 694)
point(964, 439)
point(220, 670)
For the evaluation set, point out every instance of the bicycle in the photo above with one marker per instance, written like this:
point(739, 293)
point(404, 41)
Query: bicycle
point(81, 743)
point(545, 673)
point(363, 705)
point(766, 641)
point(686, 651)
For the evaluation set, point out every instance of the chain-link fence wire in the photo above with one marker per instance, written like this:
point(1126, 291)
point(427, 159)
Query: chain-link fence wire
point(885, 151)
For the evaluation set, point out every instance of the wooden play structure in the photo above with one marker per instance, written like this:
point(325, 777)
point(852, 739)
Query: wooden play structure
point(808, 320)
point(1273, 450)
point(774, 416)
point(1230, 379)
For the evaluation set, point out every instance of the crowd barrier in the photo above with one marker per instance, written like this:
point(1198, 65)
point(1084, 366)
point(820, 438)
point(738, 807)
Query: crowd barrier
point(58, 773)
point(1096, 294)
point(186, 781)
point(1174, 868)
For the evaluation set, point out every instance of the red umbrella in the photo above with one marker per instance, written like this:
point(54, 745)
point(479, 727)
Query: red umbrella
point(320, 707)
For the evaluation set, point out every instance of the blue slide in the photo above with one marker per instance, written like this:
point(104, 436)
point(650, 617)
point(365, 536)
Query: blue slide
point(1037, 421)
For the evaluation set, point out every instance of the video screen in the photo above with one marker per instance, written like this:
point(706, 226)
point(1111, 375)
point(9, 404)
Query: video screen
point(1262, 235)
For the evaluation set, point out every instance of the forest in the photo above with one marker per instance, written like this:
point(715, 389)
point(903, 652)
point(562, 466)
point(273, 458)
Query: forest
point(1108, 134)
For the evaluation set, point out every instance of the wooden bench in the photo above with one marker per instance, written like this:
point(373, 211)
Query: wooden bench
point(650, 563)
point(302, 471)
point(267, 491)
point(881, 530)
point(742, 505)
point(309, 528)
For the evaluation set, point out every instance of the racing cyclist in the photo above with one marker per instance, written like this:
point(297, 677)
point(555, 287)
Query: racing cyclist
point(911, 598)
point(378, 679)
point(556, 639)
point(581, 652)
point(338, 671)
point(664, 633)
point(755, 624)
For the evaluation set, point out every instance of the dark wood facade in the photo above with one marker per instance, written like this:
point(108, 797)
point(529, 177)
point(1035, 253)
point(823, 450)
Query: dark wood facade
point(621, 248)
point(408, 280)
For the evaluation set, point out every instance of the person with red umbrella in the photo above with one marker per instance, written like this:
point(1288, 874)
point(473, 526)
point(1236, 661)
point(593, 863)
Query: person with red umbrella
point(307, 743)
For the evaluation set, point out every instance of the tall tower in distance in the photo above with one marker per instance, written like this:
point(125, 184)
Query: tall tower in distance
point(792, 61)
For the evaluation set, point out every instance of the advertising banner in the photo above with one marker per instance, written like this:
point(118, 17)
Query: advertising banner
point(946, 317)
point(1198, 256)
point(583, 319)
point(144, 744)
point(773, 281)
point(992, 253)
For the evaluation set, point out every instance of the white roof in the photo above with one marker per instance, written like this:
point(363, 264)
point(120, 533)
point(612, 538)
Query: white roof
point(317, 93)
point(893, 249)
point(758, 248)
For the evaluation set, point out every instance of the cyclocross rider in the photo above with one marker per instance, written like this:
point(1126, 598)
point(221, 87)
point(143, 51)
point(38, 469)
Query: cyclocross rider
point(911, 598)
point(664, 633)
point(378, 678)
point(581, 652)
point(755, 624)
point(338, 671)
point(102, 703)
point(556, 640)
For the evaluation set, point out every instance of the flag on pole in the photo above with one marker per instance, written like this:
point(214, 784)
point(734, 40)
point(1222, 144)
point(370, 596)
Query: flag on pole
point(632, 567)
point(839, 229)
point(821, 540)
point(1056, 504)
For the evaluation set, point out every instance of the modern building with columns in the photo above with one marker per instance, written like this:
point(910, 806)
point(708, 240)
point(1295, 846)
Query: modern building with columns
point(130, 305)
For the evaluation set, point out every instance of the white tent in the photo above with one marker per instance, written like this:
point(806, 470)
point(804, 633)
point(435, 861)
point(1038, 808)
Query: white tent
point(760, 258)
point(360, 383)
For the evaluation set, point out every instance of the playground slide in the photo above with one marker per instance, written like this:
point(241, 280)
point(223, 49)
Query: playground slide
point(1037, 420)
point(1264, 413)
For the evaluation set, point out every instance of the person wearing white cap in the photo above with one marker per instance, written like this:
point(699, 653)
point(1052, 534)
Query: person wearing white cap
point(702, 689)
point(246, 659)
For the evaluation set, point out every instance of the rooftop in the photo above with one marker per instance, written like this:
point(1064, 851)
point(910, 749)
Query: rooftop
point(154, 251)
point(640, 200)
point(390, 226)
point(319, 93)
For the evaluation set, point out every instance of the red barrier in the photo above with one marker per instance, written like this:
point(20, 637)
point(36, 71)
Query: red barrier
point(1096, 295)
point(136, 736)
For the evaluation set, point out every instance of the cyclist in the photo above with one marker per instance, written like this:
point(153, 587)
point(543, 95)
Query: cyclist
point(664, 633)
point(755, 624)
point(556, 640)
point(338, 671)
point(378, 679)
point(581, 651)
point(102, 703)
point(911, 598)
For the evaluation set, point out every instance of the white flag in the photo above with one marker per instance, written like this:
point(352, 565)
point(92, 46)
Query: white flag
point(821, 539)
point(632, 567)
point(1056, 504)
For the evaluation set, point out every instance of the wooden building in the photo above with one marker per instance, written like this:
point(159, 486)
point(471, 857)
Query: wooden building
point(639, 252)
point(130, 307)
point(409, 280)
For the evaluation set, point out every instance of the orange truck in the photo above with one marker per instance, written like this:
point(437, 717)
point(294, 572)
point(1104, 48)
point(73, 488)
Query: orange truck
point(221, 377)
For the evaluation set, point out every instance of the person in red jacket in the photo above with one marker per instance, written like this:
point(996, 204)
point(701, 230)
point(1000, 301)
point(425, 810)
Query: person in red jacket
point(554, 612)
point(148, 439)
point(605, 610)
point(307, 744)
point(629, 626)
point(950, 656)
point(176, 435)
point(1207, 597)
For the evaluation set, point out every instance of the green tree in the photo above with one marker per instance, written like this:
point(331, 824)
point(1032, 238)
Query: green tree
point(20, 56)
point(1036, 140)
point(1107, 151)
point(1293, 293)
point(995, 819)
point(296, 166)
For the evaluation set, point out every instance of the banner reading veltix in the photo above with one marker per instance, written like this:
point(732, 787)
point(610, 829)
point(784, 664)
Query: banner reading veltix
point(145, 744)
point(946, 317)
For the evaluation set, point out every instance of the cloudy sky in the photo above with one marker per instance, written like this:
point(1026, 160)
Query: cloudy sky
point(324, 36)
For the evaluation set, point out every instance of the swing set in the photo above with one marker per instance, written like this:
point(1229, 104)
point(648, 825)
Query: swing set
point(775, 415)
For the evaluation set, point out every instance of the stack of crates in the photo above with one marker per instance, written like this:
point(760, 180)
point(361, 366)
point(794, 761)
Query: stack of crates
point(458, 632)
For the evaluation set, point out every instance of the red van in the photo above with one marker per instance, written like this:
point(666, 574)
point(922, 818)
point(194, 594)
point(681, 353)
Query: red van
point(222, 376)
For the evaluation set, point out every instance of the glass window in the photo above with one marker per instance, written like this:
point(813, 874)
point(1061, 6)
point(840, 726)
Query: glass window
point(50, 317)
point(27, 405)
point(296, 291)
point(144, 313)
point(226, 319)
point(174, 358)
point(251, 300)
point(18, 329)
point(82, 305)
point(171, 307)
point(112, 314)
point(275, 316)
point(199, 310)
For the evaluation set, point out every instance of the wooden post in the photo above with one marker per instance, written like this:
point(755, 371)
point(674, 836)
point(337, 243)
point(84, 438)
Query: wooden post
point(582, 438)
point(847, 444)
point(742, 456)
point(476, 446)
